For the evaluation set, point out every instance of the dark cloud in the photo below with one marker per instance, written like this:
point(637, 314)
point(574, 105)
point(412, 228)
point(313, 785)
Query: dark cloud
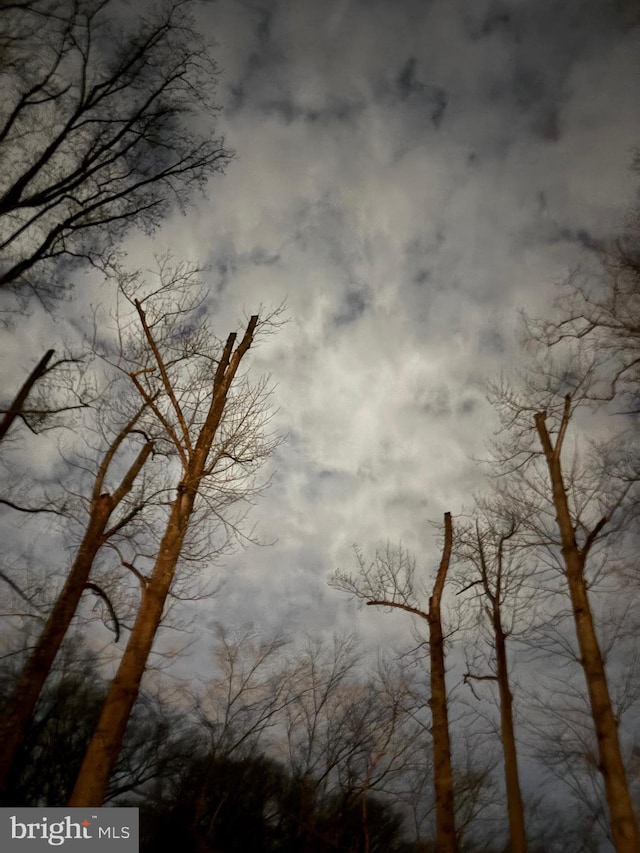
point(582, 237)
point(336, 110)
point(407, 79)
point(407, 500)
point(421, 255)
point(435, 402)
point(497, 18)
point(225, 262)
point(354, 305)
point(547, 229)
point(264, 15)
point(326, 485)
point(492, 340)
point(541, 46)
point(467, 406)
point(430, 100)
point(261, 257)
point(422, 277)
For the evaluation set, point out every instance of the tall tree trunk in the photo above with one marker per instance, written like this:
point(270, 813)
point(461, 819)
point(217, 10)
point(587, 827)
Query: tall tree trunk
point(105, 743)
point(442, 770)
point(103, 750)
point(515, 811)
point(517, 833)
point(21, 705)
point(624, 827)
point(446, 835)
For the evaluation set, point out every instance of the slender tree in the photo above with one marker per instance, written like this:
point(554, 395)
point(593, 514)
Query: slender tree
point(572, 505)
point(496, 578)
point(219, 439)
point(388, 582)
point(160, 741)
point(590, 355)
point(624, 826)
point(106, 520)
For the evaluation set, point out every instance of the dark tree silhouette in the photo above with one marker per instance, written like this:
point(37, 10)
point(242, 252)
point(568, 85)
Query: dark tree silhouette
point(97, 132)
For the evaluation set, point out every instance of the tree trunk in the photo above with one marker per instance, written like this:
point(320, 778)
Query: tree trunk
point(21, 705)
point(103, 750)
point(17, 716)
point(442, 770)
point(106, 740)
point(624, 827)
point(517, 833)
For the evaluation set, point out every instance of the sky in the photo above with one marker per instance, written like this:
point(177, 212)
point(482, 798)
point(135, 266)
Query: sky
point(408, 176)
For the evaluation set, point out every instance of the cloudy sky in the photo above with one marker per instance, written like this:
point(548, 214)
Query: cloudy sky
point(408, 176)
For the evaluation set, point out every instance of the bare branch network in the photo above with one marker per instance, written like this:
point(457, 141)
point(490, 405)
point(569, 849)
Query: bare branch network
point(101, 129)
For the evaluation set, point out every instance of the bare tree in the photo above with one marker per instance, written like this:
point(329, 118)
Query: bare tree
point(575, 554)
point(573, 502)
point(315, 745)
point(51, 397)
point(341, 731)
point(389, 582)
point(336, 733)
point(493, 572)
point(345, 731)
point(563, 736)
point(102, 128)
point(108, 515)
point(252, 685)
point(215, 421)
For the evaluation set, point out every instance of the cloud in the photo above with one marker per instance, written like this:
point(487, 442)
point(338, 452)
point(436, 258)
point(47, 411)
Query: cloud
point(408, 176)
